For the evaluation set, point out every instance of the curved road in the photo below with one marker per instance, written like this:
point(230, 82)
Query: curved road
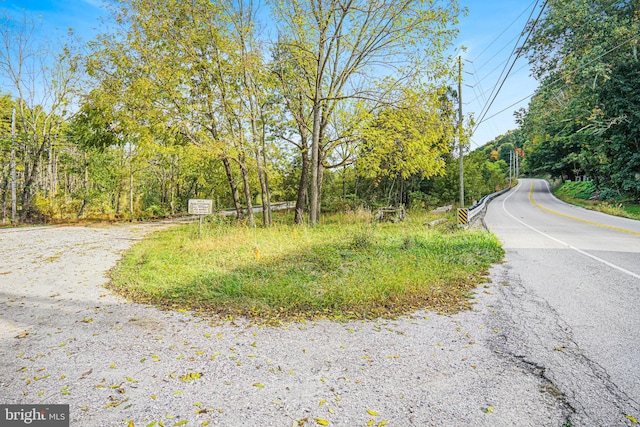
point(571, 300)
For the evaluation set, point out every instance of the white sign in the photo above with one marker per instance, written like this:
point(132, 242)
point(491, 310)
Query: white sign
point(200, 207)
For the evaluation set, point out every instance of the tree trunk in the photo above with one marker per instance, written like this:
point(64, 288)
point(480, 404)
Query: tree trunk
point(234, 187)
point(14, 200)
point(302, 187)
point(319, 188)
point(266, 211)
point(85, 196)
point(130, 184)
point(247, 188)
point(266, 181)
point(314, 201)
point(30, 177)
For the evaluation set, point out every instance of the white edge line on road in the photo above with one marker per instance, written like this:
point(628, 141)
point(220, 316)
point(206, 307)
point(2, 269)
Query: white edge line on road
point(607, 263)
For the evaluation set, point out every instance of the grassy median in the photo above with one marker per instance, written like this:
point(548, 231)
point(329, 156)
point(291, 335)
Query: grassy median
point(349, 267)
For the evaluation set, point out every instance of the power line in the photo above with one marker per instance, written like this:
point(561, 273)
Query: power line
point(484, 92)
point(503, 31)
point(498, 52)
point(560, 79)
point(495, 92)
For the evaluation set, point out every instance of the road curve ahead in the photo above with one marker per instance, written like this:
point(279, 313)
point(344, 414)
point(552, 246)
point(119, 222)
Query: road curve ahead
point(571, 300)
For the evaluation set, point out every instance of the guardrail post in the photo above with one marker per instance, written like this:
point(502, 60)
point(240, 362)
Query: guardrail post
point(463, 217)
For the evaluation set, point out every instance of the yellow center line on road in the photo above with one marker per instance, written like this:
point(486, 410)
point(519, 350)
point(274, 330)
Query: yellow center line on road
point(597, 224)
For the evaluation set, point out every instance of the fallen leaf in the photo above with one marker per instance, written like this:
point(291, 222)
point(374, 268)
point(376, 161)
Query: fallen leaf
point(488, 409)
point(22, 335)
point(259, 385)
point(372, 413)
point(632, 419)
point(181, 423)
point(382, 423)
point(322, 422)
point(191, 376)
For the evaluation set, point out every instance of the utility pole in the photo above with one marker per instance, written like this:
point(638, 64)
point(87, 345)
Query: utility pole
point(460, 131)
point(510, 167)
point(14, 203)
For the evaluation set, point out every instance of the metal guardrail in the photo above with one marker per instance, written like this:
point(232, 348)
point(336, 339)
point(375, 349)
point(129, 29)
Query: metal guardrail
point(481, 204)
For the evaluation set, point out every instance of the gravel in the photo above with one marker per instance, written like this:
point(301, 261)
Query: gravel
point(65, 339)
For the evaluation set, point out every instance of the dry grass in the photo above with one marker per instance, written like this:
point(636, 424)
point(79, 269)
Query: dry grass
point(348, 268)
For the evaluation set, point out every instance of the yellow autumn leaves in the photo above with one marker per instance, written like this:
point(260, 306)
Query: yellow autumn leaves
point(324, 422)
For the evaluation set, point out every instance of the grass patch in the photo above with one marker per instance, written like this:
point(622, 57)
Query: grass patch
point(577, 190)
point(347, 268)
point(580, 194)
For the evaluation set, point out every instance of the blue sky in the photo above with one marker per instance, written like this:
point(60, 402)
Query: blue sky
point(489, 33)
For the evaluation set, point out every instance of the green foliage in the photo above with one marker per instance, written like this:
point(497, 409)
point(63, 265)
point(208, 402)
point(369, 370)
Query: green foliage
point(338, 270)
point(409, 138)
point(577, 190)
point(583, 120)
point(180, 101)
point(586, 195)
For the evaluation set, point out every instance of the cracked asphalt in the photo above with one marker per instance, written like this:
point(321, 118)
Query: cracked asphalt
point(568, 305)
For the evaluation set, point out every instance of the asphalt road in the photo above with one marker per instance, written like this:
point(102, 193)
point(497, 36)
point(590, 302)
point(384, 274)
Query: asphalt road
point(570, 300)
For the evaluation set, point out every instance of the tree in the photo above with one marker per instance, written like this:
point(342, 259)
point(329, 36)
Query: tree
point(585, 53)
point(409, 138)
point(43, 81)
point(7, 156)
point(344, 48)
point(197, 66)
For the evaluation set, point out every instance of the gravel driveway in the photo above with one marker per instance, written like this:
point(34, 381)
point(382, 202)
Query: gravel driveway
point(65, 339)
